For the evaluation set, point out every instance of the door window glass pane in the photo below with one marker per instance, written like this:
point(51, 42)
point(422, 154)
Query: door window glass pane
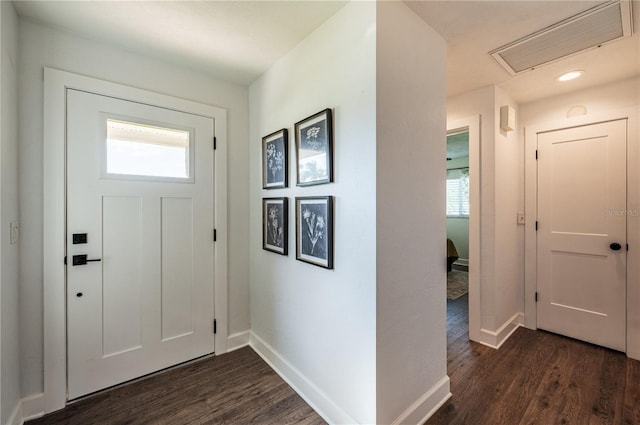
point(144, 150)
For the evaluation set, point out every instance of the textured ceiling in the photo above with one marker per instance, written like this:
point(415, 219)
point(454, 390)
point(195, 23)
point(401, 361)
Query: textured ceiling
point(239, 40)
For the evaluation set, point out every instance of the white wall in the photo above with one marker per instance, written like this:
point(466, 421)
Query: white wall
point(501, 188)
point(596, 100)
point(42, 46)
point(411, 227)
point(509, 236)
point(322, 322)
point(9, 324)
point(458, 232)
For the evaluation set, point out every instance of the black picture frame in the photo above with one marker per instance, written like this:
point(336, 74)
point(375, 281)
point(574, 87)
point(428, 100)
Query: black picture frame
point(275, 160)
point(314, 230)
point(275, 225)
point(314, 149)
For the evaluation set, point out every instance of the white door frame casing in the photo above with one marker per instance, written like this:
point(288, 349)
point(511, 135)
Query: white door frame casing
point(55, 85)
point(472, 125)
point(632, 115)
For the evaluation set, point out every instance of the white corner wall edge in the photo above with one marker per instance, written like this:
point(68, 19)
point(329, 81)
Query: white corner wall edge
point(495, 339)
point(238, 340)
point(314, 396)
point(28, 408)
point(423, 408)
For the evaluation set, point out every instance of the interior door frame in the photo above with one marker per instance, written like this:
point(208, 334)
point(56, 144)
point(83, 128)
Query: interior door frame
point(632, 115)
point(56, 83)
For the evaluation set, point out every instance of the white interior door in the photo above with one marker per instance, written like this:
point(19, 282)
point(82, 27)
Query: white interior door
point(581, 218)
point(139, 200)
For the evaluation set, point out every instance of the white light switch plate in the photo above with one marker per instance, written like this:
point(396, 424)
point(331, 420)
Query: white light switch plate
point(14, 232)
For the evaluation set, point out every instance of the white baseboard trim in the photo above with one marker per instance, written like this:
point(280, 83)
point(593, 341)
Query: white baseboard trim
point(314, 396)
point(16, 416)
point(33, 406)
point(238, 340)
point(495, 339)
point(423, 408)
point(28, 408)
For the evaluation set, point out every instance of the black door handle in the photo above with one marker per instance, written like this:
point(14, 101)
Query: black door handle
point(81, 260)
point(615, 246)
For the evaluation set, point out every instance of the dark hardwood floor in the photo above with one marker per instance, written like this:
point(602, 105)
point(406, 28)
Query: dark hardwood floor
point(535, 378)
point(234, 388)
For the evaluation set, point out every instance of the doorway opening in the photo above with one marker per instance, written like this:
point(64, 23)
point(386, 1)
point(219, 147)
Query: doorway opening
point(457, 212)
point(463, 226)
point(457, 209)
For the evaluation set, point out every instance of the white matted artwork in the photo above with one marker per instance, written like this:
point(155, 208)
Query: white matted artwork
point(275, 224)
point(275, 170)
point(314, 230)
point(314, 149)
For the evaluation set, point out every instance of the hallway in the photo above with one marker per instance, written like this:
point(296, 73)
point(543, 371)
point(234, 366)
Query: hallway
point(536, 377)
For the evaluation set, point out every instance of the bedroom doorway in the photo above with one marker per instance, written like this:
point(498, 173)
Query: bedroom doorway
point(457, 211)
point(463, 228)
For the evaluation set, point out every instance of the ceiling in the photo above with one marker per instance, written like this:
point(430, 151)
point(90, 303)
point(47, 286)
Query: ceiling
point(474, 28)
point(239, 40)
point(233, 40)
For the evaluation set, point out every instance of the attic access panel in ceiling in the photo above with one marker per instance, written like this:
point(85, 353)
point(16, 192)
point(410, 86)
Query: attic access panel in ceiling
point(592, 28)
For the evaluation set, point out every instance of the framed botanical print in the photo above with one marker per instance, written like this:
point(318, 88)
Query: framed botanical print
point(275, 224)
point(314, 230)
point(275, 169)
point(314, 149)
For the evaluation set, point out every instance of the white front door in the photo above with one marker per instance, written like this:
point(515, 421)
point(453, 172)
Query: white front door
point(582, 256)
point(139, 239)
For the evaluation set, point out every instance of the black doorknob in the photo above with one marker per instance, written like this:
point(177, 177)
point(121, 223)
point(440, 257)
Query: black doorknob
point(615, 246)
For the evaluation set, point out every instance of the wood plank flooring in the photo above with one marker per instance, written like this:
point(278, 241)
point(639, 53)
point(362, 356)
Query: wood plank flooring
point(234, 388)
point(535, 378)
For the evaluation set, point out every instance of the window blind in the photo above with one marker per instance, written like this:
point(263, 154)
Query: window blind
point(458, 192)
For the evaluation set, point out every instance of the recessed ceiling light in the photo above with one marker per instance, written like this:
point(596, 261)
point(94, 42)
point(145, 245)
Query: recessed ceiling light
point(570, 76)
